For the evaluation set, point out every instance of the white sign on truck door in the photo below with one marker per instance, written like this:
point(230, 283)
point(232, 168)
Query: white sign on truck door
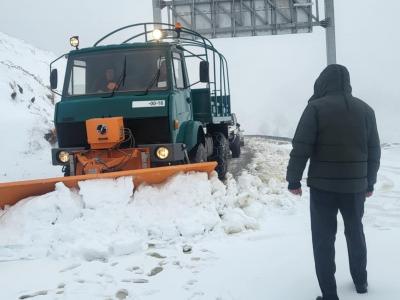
point(148, 103)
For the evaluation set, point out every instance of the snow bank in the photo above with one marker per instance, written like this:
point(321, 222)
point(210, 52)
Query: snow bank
point(383, 210)
point(26, 113)
point(105, 218)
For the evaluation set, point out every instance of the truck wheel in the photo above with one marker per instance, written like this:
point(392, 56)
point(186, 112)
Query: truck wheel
point(198, 154)
point(221, 150)
point(235, 147)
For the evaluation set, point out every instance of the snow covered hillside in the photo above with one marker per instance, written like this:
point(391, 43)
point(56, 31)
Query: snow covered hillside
point(26, 110)
point(190, 238)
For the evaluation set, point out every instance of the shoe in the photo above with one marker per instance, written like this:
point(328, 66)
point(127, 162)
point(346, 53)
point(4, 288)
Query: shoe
point(319, 298)
point(362, 288)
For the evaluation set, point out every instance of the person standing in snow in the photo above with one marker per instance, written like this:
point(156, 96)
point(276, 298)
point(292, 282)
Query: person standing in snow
point(338, 133)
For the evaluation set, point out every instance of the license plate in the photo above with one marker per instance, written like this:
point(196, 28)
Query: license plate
point(149, 103)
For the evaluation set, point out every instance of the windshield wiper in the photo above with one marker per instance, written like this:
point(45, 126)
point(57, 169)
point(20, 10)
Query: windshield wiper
point(154, 80)
point(121, 81)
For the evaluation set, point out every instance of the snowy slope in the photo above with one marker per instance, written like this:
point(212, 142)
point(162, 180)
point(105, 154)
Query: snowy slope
point(103, 243)
point(26, 110)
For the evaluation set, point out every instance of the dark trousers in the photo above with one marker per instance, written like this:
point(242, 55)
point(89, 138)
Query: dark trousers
point(324, 209)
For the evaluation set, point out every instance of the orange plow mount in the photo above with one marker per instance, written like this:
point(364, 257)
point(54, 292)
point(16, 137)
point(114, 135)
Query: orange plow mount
point(11, 193)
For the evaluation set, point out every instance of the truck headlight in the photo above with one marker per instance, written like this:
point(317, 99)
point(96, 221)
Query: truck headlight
point(162, 152)
point(63, 156)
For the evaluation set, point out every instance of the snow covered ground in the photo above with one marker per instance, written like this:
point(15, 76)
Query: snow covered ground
point(191, 238)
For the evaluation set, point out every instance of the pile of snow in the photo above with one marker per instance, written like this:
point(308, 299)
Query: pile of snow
point(384, 213)
point(26, 114)
point(105, 218)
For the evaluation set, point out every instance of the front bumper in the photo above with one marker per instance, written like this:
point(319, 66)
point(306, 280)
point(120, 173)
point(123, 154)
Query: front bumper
point(176, 153)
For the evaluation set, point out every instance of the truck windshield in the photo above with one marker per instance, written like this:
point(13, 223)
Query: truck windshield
point(101, 73)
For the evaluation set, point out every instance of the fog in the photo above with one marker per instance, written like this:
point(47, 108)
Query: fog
point(271, 77)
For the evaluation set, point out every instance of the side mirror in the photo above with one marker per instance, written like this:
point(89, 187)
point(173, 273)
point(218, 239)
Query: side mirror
point(53, 79)
point(204, 71)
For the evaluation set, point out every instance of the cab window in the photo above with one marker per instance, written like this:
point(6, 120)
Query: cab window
point(77, 84)
point(178, 71)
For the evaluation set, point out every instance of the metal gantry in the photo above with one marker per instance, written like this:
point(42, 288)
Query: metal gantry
point(232, 18)
point(236, 18)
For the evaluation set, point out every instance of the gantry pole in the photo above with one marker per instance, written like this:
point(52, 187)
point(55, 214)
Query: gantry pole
point(330, 32)
point(157, 11)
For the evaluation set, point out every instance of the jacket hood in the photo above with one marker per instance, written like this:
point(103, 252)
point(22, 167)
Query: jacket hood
point(335, 79)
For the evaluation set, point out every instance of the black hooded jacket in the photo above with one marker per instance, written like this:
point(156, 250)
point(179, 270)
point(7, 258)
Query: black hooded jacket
point(338, 133)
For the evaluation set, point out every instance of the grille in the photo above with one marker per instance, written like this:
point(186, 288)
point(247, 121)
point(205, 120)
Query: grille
point(145, 131)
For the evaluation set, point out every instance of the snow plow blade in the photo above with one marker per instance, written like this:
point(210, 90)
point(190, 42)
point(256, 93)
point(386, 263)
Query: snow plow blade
point(11, 193)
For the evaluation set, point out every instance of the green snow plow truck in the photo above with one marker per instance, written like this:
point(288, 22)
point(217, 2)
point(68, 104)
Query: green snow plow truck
point(147, 78)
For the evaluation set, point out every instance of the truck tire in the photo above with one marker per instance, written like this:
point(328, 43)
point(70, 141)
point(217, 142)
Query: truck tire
point(198, 154)
point(235, 147)
point(221, 151)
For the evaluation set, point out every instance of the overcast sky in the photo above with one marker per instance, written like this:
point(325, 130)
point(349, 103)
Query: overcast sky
point(48, 24)
point(271, 77)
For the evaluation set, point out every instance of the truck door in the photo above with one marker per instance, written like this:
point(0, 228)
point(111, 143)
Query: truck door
point(181, 91)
